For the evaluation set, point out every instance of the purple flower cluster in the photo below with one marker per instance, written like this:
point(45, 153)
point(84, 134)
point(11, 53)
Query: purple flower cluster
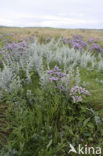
point(77, 93)
point(91, 40)
point(78, 42)
point(66, 40)
point(77, 37)
point(55, 74)
point(96, 47)
point(16, 46)
point(30, 38)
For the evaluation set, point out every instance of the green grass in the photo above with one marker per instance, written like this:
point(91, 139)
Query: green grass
point(96, 88)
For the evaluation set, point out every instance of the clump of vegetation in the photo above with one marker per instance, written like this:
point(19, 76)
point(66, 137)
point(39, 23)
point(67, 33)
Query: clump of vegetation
point(50, 99)
point(78, 42)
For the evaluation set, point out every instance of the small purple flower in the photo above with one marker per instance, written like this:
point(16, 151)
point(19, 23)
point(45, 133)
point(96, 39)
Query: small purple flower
point(56, 68)
point(53, 79)
point(62, 88)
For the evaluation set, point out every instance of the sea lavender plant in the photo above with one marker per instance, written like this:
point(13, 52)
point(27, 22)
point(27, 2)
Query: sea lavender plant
point(77, 37)
point(96, 47)
point(77, 42)
point(16, 46)
point(55, 76)
point(92, 40)
point(77, 93)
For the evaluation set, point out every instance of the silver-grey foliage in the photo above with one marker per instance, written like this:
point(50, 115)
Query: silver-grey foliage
point(40, 56)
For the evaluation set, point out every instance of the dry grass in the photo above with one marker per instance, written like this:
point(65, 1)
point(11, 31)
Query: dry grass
point(21, 33)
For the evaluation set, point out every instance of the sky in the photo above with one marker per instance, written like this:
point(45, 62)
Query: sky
point(52, 13)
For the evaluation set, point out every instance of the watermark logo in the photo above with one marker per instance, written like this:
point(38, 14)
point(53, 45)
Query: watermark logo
point(85, 150)
point(72, 149)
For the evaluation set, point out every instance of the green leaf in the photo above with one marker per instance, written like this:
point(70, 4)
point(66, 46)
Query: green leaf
point(49, 144)
point(86, 121)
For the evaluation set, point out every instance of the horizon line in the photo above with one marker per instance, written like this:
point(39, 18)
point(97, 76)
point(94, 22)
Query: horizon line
point(4, 26)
